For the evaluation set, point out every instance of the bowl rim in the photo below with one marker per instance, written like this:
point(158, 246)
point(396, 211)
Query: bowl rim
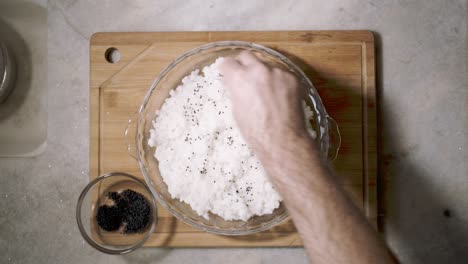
point(91, 241)
point(235, 44)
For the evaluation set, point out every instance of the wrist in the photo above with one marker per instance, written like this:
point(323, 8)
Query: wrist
point(276, 149)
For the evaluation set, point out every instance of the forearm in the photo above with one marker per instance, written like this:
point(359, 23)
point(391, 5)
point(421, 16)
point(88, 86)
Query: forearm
point(332, 228)
point(266, 104)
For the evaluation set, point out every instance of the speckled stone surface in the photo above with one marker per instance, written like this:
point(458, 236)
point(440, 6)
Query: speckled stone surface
point(423, 93)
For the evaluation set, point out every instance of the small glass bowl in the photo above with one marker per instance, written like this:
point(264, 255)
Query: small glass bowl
point(94, 195)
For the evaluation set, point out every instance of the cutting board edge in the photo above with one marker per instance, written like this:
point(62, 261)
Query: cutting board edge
point(148, 38)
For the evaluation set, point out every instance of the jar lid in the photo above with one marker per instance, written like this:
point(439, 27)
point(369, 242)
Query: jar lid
point(7, 72)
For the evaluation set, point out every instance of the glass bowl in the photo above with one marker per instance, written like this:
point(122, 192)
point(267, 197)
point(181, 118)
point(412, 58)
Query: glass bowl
point(140, 125)
point(94, 195)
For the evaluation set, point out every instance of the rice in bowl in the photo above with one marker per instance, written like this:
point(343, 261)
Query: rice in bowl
point(202, 156)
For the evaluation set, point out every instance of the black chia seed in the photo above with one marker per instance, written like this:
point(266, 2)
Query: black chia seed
point(109, 218)
point(130, 210)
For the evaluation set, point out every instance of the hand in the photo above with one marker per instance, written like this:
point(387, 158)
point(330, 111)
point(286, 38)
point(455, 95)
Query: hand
point(266, 102)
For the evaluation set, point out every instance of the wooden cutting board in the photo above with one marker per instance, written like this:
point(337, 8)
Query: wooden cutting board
point(339, 63)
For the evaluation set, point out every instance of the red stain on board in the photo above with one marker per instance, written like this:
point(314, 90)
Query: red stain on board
point(344, 148)
point(335, 103)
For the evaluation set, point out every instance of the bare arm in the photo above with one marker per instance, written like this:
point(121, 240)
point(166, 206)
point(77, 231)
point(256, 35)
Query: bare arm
point(266, 105)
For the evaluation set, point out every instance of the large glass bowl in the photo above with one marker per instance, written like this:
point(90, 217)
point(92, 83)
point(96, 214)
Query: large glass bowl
point(169, 79)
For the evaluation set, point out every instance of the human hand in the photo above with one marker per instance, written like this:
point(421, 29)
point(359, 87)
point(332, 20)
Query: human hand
point(266, 102)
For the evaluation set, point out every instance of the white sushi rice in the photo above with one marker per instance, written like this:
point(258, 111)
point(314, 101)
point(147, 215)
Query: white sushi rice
point(202, 156)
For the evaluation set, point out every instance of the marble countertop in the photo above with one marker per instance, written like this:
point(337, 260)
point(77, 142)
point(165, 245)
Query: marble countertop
point(423, 95)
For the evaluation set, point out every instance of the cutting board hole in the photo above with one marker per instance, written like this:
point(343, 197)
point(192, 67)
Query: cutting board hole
point(112, 55)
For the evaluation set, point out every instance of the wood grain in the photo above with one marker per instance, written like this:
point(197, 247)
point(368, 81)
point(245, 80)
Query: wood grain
point(339, 63)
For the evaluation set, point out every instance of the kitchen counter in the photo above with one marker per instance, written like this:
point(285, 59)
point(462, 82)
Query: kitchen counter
point(423, 95)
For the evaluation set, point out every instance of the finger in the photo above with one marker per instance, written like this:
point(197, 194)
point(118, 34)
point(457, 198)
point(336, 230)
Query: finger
point(277, 71)
point(247, 58)
point(229, 66)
